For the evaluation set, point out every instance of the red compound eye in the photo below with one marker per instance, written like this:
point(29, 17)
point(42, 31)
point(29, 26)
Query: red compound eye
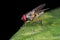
point(24, 17)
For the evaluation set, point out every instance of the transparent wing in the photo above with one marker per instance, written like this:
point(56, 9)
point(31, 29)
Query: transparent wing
point(39, 7)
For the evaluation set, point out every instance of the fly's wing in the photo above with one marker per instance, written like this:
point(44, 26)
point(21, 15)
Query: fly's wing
point(45, 9)
point(37, 9)
point(40, 7)
point(42, 11)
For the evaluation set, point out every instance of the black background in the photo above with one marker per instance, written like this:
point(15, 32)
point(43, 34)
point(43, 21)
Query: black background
point(22, 7)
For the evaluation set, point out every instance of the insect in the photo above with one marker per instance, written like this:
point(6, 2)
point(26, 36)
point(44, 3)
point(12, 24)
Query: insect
point(35, 13)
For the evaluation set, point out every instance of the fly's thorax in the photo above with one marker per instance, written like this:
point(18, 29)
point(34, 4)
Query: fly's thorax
point(30, 15)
